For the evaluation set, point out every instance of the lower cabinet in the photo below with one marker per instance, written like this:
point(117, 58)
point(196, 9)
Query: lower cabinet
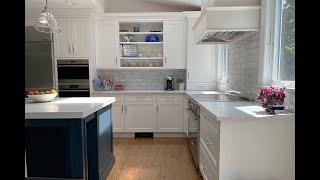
point(147, 112)
point(207, 169)
point(140, 118)
point(246, 148)
point(170, 113)
point(118, 118)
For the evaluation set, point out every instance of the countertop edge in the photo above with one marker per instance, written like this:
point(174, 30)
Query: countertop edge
point(139, 91)
point(68, 115)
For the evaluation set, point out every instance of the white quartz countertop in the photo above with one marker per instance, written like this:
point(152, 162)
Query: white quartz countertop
point(235, 110)
point(242, 110)
point(142, 91)
point(61, 108)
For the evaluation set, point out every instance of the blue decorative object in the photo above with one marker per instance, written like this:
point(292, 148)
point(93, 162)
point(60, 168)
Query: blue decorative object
point(152, 38)
point(101, 84)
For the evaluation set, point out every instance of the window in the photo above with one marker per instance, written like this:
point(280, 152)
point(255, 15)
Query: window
point(284, 49)
point(222, 62)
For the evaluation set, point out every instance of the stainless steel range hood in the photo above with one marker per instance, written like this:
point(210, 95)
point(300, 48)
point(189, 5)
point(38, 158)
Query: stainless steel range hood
point(217, 25)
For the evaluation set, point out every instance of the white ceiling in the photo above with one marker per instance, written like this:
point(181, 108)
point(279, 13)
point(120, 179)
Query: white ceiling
point(193, 3)
point(39, 4)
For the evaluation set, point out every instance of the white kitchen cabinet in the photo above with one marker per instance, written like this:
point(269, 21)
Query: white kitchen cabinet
point(140, 118)
point(106, 48)
point(169, 113)
point(174, 44)
point(140, 113)
point(73, 40)
point(185, 114)
point(118, 112)
point(80, 33)
point(117, 118)
point(201, 69)
point(236, 147)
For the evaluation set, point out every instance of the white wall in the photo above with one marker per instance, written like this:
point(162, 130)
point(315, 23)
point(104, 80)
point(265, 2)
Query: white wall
point(115, 6)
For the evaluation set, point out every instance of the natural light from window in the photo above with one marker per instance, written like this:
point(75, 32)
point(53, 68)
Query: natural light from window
point(285, 41)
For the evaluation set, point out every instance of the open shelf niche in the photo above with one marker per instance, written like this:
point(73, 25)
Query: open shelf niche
point(139, 46)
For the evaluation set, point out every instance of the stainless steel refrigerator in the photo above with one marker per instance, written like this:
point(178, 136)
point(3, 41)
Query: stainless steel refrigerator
point(39, 64)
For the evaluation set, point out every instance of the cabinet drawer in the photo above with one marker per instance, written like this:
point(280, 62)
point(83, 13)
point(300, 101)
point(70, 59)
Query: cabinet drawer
point(169, 99)
point(139, 99)
point(210, 140)
point(207, 168)
point(211, 120)
point(119, 97)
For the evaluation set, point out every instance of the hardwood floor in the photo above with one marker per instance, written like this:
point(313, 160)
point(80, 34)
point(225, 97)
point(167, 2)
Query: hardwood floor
point(153, 159)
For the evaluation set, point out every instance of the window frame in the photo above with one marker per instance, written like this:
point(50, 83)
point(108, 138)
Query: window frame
point(277, 30)
point(223, 60)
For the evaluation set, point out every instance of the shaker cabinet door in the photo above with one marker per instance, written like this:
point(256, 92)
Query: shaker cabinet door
point(174, 44)
point(106, 44)
point(170, 118)
point(117, 118)
point(140, 118)
point(63, 40)
point(80, 42)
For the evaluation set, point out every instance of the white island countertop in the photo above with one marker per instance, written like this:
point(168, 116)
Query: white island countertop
point(63, 108)
point(242, 110)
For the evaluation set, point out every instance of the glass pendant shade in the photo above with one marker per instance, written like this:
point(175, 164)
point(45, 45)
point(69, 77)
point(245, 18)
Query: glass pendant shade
point(46, 23)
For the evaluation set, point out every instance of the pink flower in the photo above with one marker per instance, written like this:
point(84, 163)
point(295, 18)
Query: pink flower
point(271, 94)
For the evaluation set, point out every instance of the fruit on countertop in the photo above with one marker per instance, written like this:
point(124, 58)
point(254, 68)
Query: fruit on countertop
point(35, 92)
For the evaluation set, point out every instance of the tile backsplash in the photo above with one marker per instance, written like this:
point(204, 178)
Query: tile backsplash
point(143, 79)
point(243, 66)
point(243, 69)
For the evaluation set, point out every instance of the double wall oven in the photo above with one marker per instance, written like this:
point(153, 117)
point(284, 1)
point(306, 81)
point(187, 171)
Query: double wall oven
point(73, 77)
point(194, 129)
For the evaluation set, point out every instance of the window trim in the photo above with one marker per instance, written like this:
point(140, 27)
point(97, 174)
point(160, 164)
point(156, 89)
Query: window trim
point(275, 79)
point(270, 40)
point(223, 60)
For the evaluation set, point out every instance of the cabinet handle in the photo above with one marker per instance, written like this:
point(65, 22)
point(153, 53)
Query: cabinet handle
point(116, 60)
point(188, 75)
point(72, 48)
point(165, 60)
point(69, 49)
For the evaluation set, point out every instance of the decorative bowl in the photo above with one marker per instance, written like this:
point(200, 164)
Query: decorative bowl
point(43, 97)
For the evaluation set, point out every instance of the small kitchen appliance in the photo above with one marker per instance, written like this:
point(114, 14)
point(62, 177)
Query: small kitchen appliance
point(169, 84)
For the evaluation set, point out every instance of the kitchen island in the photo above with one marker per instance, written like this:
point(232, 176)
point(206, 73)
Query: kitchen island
point(239, 140)
point(69, 138)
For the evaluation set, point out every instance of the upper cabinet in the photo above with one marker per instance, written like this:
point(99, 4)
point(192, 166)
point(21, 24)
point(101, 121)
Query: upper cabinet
point(200, 62)
point(138, 43)
point(175, 44)
point(106, 33)
point(73, 40)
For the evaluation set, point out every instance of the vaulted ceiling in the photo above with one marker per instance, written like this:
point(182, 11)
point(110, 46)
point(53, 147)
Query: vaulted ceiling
point(157, 4)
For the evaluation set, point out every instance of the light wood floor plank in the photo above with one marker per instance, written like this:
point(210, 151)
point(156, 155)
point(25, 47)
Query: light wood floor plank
point(153, 159)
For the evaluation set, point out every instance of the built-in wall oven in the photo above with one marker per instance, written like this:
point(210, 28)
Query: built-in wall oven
point(194, 129)
point(73, 77)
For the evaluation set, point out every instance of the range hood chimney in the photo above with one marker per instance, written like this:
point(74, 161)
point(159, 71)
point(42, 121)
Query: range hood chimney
point(223, 21)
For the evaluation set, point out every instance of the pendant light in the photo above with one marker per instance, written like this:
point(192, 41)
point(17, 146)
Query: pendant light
point(46, 23)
